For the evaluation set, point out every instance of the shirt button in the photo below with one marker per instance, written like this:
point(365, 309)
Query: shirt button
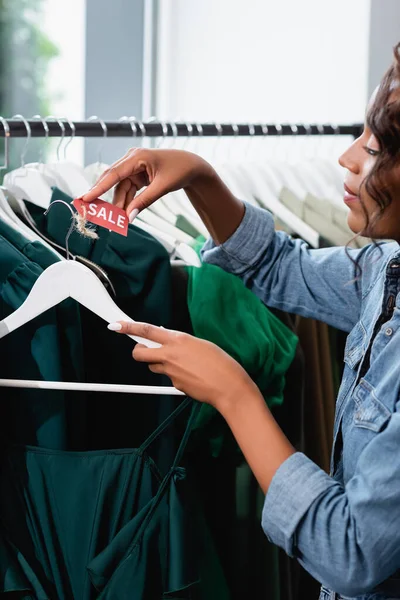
point(389, 331)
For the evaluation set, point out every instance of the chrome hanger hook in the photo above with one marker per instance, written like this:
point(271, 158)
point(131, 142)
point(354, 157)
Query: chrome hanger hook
point(73, 130)
point(295, 133)
point(131, 122)
point(138, 124)
point(46, 134)
point(200, 134)
point(105, 134)
point(333, 138)
point(252, 132)
point(28, 135)
point(164, 130)
point(70, 230)
point(308, 138)
point(7, 136)
point(321, 133)
point(218, 127)
point(62, 128)
point(174, 129)
point(265, 131)
point(235, 130)
point(189, 133)
point(278, 137)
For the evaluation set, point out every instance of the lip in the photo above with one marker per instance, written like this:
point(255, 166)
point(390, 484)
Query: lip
point(349, 195)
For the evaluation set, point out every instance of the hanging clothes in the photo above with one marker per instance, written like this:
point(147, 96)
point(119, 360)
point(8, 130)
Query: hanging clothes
point(101, 524)
point(140, 271)
point(223, 311)
point(39, 480)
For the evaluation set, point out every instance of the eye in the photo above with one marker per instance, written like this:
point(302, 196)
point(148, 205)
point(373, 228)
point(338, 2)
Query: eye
point(371, 151)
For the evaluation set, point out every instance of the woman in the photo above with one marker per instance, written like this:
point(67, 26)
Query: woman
point(344, 528)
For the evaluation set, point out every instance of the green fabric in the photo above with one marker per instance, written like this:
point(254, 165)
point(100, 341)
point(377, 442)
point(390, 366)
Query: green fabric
point(62, 511)
point(225, 312)
point(101, 520)
point(184, 225)
point(140, 271)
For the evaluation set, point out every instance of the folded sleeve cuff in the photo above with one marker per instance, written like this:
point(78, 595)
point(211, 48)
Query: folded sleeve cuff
point(246, 245)
point(294, 487)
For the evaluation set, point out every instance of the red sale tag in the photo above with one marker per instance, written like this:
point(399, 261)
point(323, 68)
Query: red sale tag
point(104, 214)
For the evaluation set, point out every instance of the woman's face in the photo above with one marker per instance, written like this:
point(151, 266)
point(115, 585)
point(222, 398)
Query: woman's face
point(359, 159)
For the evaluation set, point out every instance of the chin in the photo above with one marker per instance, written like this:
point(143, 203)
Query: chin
point(355, 223)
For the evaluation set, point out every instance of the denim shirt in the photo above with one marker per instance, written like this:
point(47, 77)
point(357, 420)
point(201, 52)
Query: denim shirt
point(344, 528)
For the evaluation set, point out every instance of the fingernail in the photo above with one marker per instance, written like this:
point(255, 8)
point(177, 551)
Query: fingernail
point(114, 326)
point(133, 215)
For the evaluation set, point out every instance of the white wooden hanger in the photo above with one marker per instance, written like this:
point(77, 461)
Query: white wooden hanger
point(69, 279)
point(25, 183)
point(66, 175)
point(94, 171)
point(174, 248)
point(266, 192)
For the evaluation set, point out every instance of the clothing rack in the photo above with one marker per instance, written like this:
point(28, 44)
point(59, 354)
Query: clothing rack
point(132, 128)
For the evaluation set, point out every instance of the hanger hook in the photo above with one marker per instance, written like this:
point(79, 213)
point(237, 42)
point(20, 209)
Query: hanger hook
point(105, 134)
point(7, 135)
point(265, 131)
point(46, 134)
point(218, 127)
point(189, 132)
point(28, 135)
point(308, 128)
point(252, 132)
point(279, 133)
point(62, 128)
point(333, 138)
point(131, 121)
point(200, 133)
point(276, 138)
point(321, 133)
point(164, 130)
point(70, 230)
point(174, 129)
point(295, 132)
point(138, 124)
point(73, 130)
point(235, 131)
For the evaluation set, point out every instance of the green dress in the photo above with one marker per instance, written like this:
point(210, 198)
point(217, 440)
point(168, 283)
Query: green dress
point(79, 523)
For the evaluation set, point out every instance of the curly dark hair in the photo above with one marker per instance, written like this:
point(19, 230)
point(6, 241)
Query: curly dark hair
point(383, 119)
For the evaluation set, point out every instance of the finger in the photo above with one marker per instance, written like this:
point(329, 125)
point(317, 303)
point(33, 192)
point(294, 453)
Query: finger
point(121, 192)
point(137, 182)
point(130, 165)
point(149, 355)
point(105, 173)
point(128, 199)
point(157, 368)
point(153, 192)
point(144, 330)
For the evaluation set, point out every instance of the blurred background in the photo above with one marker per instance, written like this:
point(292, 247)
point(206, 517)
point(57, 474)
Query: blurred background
point(269, 61)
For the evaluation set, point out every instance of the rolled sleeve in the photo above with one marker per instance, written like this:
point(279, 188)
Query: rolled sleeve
point(246, 245)
point(295, 486)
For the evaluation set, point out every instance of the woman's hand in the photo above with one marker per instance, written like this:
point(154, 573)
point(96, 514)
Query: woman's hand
point(162, 171)
point(206, 373)
point(198, 368)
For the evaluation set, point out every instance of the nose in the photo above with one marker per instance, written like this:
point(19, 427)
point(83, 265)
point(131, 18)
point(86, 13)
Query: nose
point(349, 159)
